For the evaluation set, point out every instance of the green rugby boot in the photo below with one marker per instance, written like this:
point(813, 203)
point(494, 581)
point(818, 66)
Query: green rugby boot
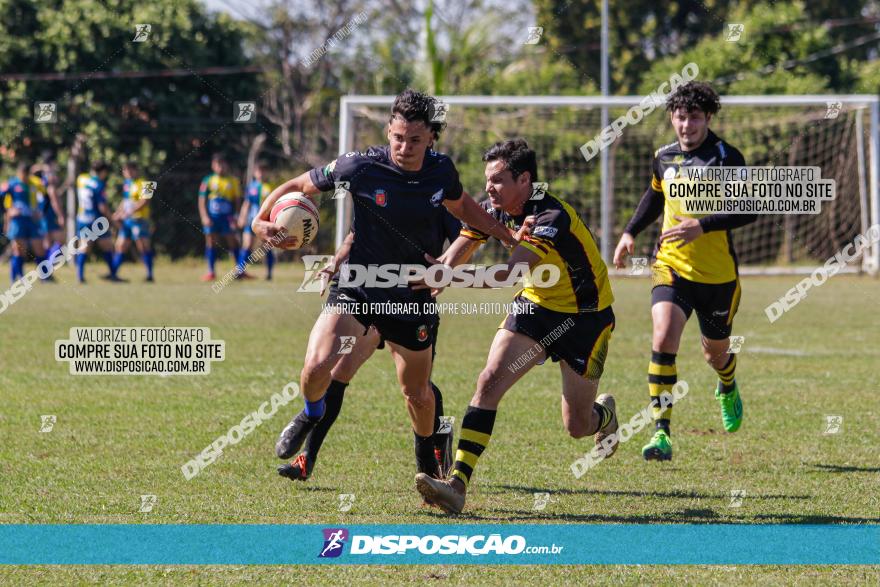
point(660, 447)
point(731, 407)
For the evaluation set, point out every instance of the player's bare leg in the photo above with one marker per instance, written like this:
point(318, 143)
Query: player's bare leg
point(414, 374)
point(352, 358)
point(508, 349)
point(322, 354)
point(578, 396)
point(583, 414)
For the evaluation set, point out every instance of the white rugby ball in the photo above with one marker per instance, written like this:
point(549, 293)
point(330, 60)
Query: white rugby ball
point(297, 213)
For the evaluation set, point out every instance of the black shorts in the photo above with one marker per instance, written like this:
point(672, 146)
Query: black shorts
point(715, 303)
point(415, 335)
point(581, 340)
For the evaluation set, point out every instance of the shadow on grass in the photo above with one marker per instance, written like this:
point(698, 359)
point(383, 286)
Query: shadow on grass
point(692, 516)
point(812, 519)
point(686, 516)
point(300, 486)
point(678, 494)
point(844, 469)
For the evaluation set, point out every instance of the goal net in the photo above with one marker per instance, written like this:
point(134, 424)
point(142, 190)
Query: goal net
point(835, 133)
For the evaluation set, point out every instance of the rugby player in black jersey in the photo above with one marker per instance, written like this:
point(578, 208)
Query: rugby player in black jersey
point(398, 191)
point(695, 267)
point(300, 469)
point(569, 322)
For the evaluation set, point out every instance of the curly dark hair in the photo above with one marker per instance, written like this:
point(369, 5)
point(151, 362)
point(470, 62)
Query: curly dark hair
point(694, 96)
point(517, 155)
point(412, 105)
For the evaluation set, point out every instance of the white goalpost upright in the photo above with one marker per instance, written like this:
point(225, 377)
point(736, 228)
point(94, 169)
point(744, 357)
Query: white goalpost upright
point(769, 130)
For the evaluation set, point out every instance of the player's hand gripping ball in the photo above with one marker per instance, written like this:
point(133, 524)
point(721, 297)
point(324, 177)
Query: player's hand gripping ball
point(298, 214)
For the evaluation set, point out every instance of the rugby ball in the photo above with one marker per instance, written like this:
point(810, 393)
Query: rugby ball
point(297, 213)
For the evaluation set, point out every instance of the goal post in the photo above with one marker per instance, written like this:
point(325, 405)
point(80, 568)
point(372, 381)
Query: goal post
point(769, 130)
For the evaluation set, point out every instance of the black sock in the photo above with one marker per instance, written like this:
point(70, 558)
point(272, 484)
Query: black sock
point(604, 416)
point(332, 406)
point(439, 439)
point(426, 460)
point(662, 424)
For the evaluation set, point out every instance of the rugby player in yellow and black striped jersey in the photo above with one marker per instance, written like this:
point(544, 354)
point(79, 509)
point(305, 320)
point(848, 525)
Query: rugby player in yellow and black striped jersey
point(569, 322)
point(695, 266)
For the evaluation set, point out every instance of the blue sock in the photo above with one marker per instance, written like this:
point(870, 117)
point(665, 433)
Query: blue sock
point(55, 248)
point(81, 267)
point(108, 258)
point(270, 263)
point(243, 254)
point(118, 258)
point(16, 267)
point(315, 409)
point(40, 260)
point(148, 262)
point(211, 256)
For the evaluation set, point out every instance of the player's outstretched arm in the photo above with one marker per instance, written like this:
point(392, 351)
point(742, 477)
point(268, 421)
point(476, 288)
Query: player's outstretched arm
point(472, 214)
point(649, 209)
point(460, 251)
point(267, 230)
point(625, 247)
point(520, 256)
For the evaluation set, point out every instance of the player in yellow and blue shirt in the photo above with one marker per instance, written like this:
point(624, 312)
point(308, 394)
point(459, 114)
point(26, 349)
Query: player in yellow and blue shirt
point(20, 196)
point(134, 215)
point(92, 204)
point(256, 192)
point(218, 198)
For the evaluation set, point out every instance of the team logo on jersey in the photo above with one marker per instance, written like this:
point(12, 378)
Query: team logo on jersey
point(670, 173)
point(422, 333)
point(437, 198)
point(380, 197)
point(547, 231)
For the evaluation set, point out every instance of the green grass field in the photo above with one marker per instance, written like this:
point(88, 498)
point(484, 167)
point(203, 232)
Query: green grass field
point(118, 437)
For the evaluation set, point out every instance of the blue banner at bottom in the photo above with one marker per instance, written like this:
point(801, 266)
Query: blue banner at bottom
point(519, 544)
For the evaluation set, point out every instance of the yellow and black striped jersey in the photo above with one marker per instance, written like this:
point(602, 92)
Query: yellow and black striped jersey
point(561, 239)
point(711, 257)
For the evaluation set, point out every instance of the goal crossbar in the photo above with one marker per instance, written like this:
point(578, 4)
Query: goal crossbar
point(869, 157)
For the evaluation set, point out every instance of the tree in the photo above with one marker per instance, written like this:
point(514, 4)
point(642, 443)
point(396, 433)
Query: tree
point(170, 124)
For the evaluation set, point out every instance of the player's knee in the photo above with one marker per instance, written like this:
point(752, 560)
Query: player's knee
point(716, 356)
point(418, 395)
point(315, 369)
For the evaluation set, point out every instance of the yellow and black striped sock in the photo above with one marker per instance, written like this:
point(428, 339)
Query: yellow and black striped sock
point(476, 429)
point(727, 374)
point(662, 375)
